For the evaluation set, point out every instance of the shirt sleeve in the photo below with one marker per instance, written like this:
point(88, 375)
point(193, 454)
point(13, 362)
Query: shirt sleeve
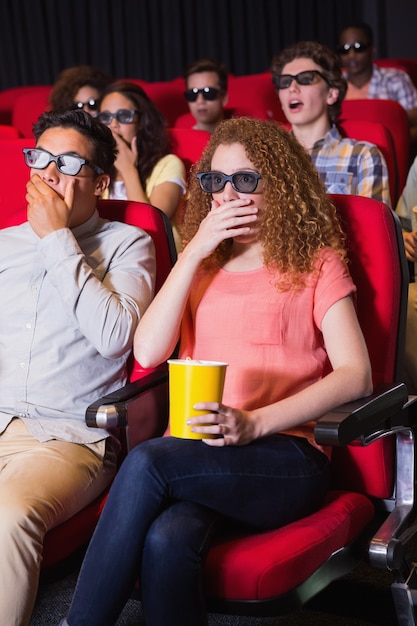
point(390, 83)
point(334, 283)
point(106, 303)
point(169, 169)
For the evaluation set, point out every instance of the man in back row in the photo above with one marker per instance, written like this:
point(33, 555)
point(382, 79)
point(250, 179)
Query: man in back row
point(206, 94)
point(73, 288)
point(366, 80)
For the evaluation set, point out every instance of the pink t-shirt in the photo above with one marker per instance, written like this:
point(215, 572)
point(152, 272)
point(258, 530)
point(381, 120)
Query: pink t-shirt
point(271, 339)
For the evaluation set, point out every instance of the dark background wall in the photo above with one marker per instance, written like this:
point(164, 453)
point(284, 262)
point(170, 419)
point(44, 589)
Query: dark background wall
point(156, 39)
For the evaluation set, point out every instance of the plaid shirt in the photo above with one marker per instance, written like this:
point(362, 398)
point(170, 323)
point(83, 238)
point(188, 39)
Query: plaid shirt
point(392, 84)
point(352, 167)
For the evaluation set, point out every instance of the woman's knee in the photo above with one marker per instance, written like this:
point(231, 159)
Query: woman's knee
point(142, 457)
point(180, 532)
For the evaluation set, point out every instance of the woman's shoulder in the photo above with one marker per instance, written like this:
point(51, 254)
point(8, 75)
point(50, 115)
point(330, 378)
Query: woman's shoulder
point(170, 165)
point(169, 159)
point(327, 254)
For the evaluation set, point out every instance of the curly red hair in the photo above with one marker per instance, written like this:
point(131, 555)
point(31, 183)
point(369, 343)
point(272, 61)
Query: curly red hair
point(298, 218)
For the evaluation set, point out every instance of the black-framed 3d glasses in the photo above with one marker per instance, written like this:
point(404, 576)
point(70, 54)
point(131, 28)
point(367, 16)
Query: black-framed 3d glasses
point(123, 116)
point(283, 81)
point(242, 182)
point(208, 93)
point(357, 46)
point(68, 164)
point(91, 104)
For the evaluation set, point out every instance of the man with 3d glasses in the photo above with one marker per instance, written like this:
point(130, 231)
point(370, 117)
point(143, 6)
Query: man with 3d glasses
point(206, 93)
point(366, 80)
point(73, 288)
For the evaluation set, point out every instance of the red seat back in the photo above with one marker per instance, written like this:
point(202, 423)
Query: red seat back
point(15, 174)
point(394, 117)
point(28, 107)
point(150, 219)
point(8, 98)
point(380, 274)
point(407, 64)
point(167, 95)
point(188, 144)
point(376, 269)
point(7, 131)
point(378, 134)
point(255, 94)
point(187, 120)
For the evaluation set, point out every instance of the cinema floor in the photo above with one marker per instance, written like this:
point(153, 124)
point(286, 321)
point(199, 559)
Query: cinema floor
point(360, 599)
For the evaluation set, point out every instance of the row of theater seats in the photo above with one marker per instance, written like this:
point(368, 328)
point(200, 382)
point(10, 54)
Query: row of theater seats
point(252, 95)
point(188, 144)
point(359, 121)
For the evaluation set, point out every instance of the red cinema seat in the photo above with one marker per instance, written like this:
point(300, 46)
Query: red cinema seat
point(378, 134)
point(392, 115)
point(168, 97)
point(28, 107)
point(7, 131)
point(8, 98)
point(16, 173)
point(407, 64)
point(188, 144)
point(255, 95)
point(187, 120)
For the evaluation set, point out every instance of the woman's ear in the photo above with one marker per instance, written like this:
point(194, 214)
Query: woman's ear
point(102, 182)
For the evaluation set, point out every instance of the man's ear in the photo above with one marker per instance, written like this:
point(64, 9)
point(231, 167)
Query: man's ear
point(225, 98)
point(333, 95)
point(102, 182)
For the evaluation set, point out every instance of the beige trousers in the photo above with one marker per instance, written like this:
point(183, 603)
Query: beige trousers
point(41, 485)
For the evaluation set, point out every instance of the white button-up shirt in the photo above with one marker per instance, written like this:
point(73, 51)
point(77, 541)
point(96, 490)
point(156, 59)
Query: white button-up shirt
point(70, 304)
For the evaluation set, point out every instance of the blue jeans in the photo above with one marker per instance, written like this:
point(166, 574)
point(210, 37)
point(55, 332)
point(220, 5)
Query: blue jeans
point(166, 500)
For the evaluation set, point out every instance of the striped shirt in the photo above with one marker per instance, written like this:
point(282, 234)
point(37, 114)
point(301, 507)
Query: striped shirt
point(351, 167)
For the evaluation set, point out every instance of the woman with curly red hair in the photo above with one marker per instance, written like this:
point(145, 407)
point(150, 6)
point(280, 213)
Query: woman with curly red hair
point(262, 283)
